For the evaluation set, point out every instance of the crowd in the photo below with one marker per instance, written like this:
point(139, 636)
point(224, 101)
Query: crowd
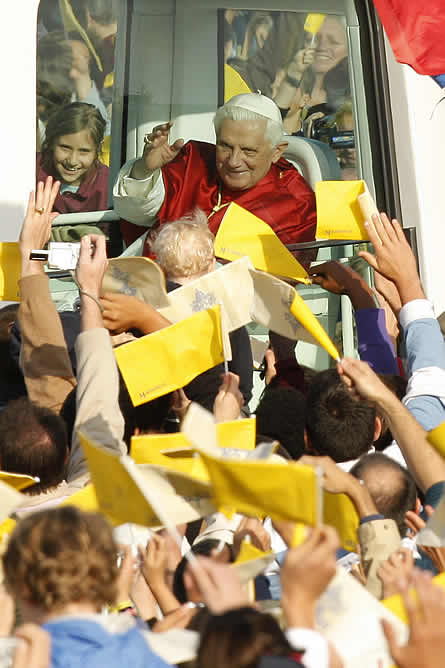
point(81, 588)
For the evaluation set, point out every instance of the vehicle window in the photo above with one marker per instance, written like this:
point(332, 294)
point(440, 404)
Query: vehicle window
point(301, 60)
point(75, 78)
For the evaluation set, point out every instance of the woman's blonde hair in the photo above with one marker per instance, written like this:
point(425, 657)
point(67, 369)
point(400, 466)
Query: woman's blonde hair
point(61, 556)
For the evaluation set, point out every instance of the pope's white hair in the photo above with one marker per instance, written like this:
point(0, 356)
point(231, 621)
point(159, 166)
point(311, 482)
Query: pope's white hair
point(184, 247)
point(273, 133)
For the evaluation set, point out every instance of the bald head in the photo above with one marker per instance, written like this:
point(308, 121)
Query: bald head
point(391, 486)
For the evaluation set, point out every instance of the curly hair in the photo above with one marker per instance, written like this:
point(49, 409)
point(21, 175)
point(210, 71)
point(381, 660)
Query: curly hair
point(61, 556)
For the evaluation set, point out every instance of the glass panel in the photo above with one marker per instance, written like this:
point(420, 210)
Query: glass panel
point(300, 60)
point(75, 78)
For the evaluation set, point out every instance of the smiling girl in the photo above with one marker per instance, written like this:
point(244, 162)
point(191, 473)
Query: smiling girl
point(70, 154)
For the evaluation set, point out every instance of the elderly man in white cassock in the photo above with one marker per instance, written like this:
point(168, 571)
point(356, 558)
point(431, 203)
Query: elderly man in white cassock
point(246, 166)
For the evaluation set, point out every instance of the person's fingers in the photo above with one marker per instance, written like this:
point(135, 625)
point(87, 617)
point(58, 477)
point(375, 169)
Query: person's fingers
point(176, 147)
point(39, 196)
point(429, 510)
point(381, 229)
point(415, 522)
point(369, 257)
point(388, 229)
point(31, 204)
point(398, 230)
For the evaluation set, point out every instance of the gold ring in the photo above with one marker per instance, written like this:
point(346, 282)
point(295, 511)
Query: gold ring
point(41, 210)
point(147, 140)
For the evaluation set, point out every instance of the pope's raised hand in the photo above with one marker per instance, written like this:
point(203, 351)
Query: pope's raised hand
point(157, 150)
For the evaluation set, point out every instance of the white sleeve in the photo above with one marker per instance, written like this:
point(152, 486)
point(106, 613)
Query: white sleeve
point(312, 643)
point(138, 200)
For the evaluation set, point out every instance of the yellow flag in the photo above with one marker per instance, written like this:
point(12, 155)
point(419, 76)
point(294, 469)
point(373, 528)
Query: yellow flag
point(251, 562)
point(301, 311)
point(190, 465)
point(340, 512)
point(10, 267)
point(85, 499)
point(237, 434)
point(314, 22)
point(6, 528)
point(437, 438)
point(172, 357)
point(283, 491)
point(17, 480)
point(242, 233)
point(234, 84)
point(339, 215)
point(126, 492)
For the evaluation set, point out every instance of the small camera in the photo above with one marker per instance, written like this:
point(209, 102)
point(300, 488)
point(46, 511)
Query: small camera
point(325, 130)
point(60, 255)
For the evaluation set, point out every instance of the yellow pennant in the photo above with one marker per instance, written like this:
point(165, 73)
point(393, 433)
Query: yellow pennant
point(339, 214)
point(237, 434)
point(314, 22)
point(287, 491)
point(85, 499)
point(10, 267)
point(301, 311)
point(172, 357)
point(397, 607)
point(126, 492)
point(242, 233)
point(437, 438)
point(18, 481)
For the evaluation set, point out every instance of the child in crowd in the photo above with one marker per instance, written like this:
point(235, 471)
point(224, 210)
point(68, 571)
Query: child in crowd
point(70, 154)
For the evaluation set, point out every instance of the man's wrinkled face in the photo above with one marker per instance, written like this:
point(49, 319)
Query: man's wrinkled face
point(243, 155)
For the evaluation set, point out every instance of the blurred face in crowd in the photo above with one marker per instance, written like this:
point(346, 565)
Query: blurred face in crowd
point(81, 60)
point(330, 45)
point(243, 154)
point(73, 156)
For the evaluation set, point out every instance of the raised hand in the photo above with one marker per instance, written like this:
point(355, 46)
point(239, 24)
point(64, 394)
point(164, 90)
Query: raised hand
point(252, 527)
point(416, 524)
point(219, 585)
point(92, 263)
point(34, 650)
point(157, 150)
point(229, 400)
point(399, 567)
point(36, 228)
point(362, 381)
point(393, 257)
point(306, 572)
point(426, 644)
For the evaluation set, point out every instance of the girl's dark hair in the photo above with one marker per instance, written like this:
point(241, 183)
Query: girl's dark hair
point(69, 120)
point(239, 638)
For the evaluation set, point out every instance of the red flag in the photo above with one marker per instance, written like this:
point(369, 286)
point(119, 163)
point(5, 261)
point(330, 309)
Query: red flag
point(416, 30)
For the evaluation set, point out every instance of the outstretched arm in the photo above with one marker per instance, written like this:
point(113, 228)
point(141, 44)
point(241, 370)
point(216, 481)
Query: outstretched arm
point(97, 406)
point(44, 356)
point(374, 344)
point(424, 462)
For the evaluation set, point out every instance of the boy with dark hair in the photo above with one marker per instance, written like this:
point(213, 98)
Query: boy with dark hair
point(337, 424)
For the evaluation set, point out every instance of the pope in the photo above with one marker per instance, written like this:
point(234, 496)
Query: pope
point(246, 166)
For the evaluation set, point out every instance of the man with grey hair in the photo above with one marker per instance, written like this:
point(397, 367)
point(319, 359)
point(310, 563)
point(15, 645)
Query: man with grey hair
point(246, 166)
